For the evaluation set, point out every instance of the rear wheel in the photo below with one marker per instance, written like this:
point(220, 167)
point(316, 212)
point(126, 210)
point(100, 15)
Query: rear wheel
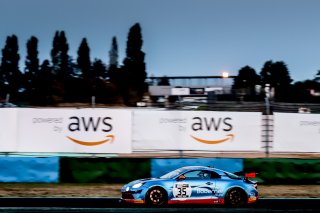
point(236, 198)
point(156, 197)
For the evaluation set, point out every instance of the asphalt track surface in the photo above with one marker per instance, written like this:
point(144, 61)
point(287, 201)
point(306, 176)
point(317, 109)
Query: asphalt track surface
point(115, 205)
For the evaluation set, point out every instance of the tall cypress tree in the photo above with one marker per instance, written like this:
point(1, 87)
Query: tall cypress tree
point(32, 65)
point(43, 85)
point(113, 53)
point(86, 83)
point(64, 48)
point(59, 55)
point(60, 65)
point(113, 71)
point(83, 60)
point(134, 65)
point(55, 56)
point(11, 75)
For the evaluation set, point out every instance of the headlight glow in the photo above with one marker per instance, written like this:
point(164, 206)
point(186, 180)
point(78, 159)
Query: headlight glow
point(137, 185)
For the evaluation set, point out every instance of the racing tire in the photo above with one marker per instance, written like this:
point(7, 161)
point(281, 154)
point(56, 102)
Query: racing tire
point(236, 198)
point(156, 197)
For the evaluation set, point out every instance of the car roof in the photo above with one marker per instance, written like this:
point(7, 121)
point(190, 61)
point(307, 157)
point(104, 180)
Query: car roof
point(197, 168)
point(186, 168)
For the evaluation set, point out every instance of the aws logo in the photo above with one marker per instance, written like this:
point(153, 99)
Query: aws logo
point(90, 124)
point(212, 124)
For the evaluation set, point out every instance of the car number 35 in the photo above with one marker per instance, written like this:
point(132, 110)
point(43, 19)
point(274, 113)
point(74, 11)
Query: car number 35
point(181, 190)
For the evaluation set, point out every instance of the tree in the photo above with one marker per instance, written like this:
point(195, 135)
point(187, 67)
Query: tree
point(99, 69)
point(43, 85)
point(134, 65)
point(277, 75)
point(113, 53)
point(10, 73)
point(55, 53)
point(113, 62)
point(59, 55)
point(83, 60)
point(60, 66)
point(317, 77)
point(305, 91)
point(104, 91)
point(266, 73)
point(164, 81)
point(32, 65)
point(246, 80)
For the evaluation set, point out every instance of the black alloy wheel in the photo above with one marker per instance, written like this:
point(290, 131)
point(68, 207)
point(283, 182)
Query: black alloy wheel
point(236, 198)
point(156, 197)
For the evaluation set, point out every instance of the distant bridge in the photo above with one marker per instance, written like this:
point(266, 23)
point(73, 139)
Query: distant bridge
point(209, 80)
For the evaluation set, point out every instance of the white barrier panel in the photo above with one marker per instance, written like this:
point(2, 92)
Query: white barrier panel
point(8, 127)
point(197, 131)
point(296, 132)
point(74, 130)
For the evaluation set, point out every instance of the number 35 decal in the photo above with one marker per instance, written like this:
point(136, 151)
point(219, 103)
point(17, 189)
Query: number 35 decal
point(181, 190)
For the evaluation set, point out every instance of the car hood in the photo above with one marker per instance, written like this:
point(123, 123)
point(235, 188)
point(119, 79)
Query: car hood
point(143, 181)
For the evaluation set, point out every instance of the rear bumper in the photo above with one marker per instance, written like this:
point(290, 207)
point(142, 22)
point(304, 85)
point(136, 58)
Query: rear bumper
point(253, 199)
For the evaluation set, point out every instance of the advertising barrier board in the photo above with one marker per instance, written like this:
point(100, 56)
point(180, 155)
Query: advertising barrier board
point(8, 127)
point(74, 130)
point(295, 132)
point(197, 131)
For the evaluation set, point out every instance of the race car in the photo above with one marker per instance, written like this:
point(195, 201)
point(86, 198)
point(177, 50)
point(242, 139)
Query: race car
point(193, 185)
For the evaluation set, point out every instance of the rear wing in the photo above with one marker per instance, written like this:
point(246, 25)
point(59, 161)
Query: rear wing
point(250, 175)
point(246, 175)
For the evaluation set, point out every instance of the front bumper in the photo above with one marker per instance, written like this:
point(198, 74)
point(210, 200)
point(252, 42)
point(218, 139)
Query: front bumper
point(132, 197)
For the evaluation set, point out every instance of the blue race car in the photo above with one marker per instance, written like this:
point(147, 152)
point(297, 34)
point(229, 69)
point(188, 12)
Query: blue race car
point(193, 185)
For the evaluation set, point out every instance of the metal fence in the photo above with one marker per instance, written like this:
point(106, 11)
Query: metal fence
point(240, 106)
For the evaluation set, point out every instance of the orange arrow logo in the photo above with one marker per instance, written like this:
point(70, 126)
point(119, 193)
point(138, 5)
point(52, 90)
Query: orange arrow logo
point(110, 138)
point(230, 137)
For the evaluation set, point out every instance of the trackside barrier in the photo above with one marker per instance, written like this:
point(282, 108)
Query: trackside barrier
point(201, 131)
point(66, 131)
point(294, 132)
point(85, 132)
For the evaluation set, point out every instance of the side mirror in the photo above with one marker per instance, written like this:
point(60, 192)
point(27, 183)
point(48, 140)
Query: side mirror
point(181, 177)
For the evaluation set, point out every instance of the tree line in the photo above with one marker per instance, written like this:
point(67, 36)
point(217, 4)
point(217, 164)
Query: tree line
point(251, 86)
point(61, 79)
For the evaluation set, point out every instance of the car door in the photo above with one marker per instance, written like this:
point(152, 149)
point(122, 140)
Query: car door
point(195, 185)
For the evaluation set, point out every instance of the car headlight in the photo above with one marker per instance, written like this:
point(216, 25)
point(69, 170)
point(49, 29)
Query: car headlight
point(137, 185)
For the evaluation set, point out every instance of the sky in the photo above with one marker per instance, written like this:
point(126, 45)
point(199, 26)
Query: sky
point(180, 37)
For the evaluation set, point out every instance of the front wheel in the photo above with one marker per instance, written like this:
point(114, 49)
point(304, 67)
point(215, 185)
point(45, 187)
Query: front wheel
point(236, 198)
point(156, 197)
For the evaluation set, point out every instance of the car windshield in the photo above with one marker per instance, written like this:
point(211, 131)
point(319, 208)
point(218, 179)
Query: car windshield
point(171, 174)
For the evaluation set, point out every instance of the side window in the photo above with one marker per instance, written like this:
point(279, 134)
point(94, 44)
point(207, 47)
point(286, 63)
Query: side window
point(197, 175)
point(215, 175)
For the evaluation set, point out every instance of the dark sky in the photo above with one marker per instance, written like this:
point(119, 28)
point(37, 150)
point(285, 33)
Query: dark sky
point(181, 37)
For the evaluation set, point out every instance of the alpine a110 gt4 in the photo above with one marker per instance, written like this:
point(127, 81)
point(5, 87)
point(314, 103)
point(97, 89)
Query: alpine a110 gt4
point(193, 185)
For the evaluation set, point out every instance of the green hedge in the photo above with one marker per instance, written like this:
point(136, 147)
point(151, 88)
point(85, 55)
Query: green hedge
point(102, 170)
point(285, 171)
point(119, 170)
